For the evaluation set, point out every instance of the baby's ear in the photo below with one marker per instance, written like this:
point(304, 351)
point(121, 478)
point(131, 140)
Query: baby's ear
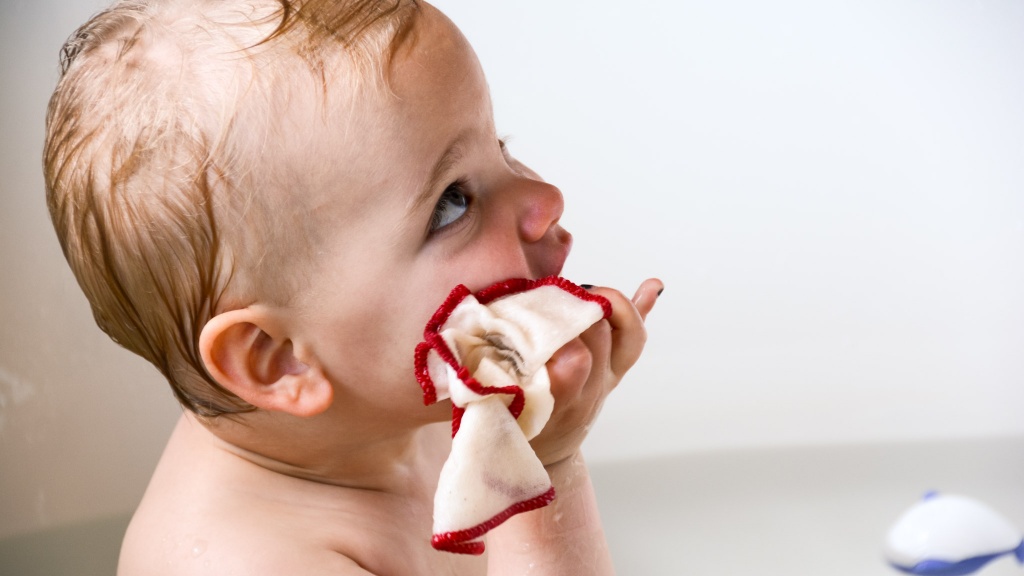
point(247, 352)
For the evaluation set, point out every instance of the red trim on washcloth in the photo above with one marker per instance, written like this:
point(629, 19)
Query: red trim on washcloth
point(464, 541)
point(456, 418)
point(461, 541)
point(423, 373)
point(516, 285)
point(437, 343)
point(433, 339)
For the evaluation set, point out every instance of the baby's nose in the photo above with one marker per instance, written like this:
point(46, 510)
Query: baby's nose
point(541, 206)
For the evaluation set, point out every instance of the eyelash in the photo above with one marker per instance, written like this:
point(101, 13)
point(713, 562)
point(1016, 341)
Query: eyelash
point(437, 222)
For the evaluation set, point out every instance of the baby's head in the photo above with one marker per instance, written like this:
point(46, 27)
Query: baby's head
point(174, 165)
point(268, 192)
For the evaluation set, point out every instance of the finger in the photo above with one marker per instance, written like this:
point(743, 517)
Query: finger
point(646, 295)
point(628, 332)
point(598, 340)
point(624, 312)
point(569, 368)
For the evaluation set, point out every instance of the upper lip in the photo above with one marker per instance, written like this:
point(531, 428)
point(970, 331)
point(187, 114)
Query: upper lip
point(551, 253)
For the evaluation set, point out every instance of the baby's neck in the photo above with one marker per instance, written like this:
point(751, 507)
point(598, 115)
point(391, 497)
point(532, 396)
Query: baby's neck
point(405, 462)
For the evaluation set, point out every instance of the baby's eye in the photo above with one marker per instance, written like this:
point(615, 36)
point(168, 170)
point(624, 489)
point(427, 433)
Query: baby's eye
point(450, 207)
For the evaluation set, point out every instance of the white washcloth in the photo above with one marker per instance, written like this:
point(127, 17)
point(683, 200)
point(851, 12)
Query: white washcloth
point(487, 352)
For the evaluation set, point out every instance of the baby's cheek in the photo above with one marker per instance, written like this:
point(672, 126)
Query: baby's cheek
point(496, 257)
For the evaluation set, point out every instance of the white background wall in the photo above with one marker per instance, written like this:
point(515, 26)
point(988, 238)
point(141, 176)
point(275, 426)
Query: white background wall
point(832, 191)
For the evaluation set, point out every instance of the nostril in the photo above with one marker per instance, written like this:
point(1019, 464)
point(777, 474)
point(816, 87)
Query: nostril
point(542, 208)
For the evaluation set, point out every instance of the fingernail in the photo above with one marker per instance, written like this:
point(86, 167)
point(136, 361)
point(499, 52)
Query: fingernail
point(660, 291)
point(586, 286)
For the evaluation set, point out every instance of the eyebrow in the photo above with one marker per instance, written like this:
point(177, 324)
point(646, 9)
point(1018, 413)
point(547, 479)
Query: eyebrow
point(452, 154)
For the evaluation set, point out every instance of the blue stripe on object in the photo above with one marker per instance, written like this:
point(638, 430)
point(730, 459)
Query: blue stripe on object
point(944, 568)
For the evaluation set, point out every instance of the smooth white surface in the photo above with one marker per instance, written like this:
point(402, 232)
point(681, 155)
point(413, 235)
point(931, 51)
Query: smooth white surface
point(832, 191)
point(950, 528)
point(793, 511)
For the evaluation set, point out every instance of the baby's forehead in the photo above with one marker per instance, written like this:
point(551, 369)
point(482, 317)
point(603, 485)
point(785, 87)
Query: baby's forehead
point(350, 126)
point(409, 99)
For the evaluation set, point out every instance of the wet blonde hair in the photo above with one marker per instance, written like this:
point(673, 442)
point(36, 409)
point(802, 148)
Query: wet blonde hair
point(160, 160)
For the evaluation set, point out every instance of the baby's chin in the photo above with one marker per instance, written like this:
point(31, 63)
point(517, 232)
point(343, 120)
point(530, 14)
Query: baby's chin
point(440, 411)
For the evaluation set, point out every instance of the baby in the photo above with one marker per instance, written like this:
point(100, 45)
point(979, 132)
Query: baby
point(268, 199)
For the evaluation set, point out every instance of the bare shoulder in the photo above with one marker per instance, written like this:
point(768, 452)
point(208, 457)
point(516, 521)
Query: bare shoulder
point(211, 552)
point(205, 512)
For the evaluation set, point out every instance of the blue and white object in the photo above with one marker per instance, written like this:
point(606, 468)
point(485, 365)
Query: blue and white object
point(946, 535)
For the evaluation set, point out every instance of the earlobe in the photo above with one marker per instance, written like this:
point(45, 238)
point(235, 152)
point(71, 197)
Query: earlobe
point(246, 352)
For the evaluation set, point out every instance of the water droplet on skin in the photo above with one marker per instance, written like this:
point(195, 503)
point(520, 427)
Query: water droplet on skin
point(198, 548)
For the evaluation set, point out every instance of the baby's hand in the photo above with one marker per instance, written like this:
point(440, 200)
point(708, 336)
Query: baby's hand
point(587, 369)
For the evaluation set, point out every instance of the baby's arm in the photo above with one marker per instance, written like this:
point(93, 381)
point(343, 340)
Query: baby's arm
point(566, 537)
